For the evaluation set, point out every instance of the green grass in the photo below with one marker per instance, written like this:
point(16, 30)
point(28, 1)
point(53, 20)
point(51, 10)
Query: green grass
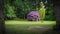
point(22, 27)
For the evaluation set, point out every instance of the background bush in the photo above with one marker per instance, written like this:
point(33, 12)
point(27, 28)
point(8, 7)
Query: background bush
point(20, 8)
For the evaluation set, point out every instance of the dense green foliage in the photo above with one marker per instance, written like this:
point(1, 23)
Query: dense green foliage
point(50, 14)
point(20, 9)
point(10, 11)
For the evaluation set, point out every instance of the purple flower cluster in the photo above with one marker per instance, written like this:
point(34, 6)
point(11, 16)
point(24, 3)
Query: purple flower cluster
point(33, 16)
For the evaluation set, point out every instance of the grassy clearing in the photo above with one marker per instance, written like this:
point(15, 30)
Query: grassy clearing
point(21, 27)
point(30, 22)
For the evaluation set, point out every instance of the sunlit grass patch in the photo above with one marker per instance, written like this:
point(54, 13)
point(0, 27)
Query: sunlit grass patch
point(27, 27)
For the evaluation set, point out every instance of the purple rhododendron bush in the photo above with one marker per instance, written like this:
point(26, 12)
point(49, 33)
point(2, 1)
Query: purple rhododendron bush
point(33, 16)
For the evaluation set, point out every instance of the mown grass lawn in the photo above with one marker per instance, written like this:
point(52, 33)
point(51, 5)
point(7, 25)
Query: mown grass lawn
point(27, 27)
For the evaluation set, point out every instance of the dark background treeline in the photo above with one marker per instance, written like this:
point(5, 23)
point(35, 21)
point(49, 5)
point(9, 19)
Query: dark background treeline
point(18, 9)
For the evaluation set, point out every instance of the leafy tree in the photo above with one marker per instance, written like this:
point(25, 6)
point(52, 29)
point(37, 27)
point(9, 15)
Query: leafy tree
point(10, 13)
point(23, 7)
point(42, 11)
point(50, 14)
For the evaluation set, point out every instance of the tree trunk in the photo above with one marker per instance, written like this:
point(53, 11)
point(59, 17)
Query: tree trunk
point(2, 25)
point(57, 12)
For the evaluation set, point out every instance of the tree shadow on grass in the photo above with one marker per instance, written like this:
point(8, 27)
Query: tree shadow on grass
point(19, 29)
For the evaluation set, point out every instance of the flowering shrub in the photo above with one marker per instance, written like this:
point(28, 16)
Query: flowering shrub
point(33, 16)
